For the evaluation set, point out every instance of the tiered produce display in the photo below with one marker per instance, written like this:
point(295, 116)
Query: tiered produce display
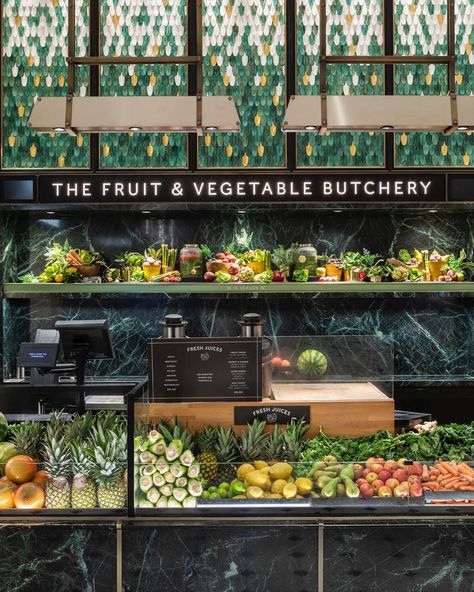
point(77, 462)
point(240, 263)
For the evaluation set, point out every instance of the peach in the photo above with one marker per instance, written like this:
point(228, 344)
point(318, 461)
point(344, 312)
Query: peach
point(401, 491)
point(376, 468)
point(366, 490)
point(384, 491)
point(416, 490)
point(391, 465)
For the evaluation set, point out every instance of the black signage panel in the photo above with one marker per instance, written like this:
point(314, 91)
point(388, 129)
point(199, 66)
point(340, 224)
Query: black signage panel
point(205, 369)
point(17, 190)
point(461, 188)
point(253, 188)
point(272, 414)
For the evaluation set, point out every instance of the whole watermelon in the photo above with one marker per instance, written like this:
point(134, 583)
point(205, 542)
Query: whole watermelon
point(3, 427)
point(312, 363)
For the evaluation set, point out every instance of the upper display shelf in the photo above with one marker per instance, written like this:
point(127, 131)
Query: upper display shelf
point(26, 290)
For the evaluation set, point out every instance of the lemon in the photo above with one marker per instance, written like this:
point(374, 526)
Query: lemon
point(58, 278)
point(320, 271)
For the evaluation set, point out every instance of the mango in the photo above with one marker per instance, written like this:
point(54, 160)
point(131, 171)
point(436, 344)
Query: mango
point(243, 470)
point(303, 485)
point(278, 485)
point(260, 464)
point(280, 470)
point(254, 492)
point(290, 491)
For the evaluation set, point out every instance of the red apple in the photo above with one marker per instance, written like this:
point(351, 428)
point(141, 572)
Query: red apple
point(401, 491)
point(364, 473)
point(384, 475)
point(391, 465)
point(209, 276)
point(376, 468)
point(392, 483)
point(376, 485)
point(369, 461)
point(231, 258)
point(416, 490)
point(371, 477)
point(414, 479)
point(384, 491)
point(360, 482)
point(366, 490)
point(400, 474)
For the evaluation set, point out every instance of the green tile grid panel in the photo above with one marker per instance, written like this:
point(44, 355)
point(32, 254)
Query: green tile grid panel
point(421, 29)
point(33, 64)
point(354, 27)
point(143, 28)
point(245, 57)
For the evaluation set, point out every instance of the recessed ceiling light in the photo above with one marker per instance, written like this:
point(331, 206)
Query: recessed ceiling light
point(432, 211)
point(59, 129)
point(463, 128)
point(51, 213)
point(241, 211)
point(337, 211)
point(211, 128)
point(387, 128)
point(310, 128)
point(146, 212)
point(135, 128)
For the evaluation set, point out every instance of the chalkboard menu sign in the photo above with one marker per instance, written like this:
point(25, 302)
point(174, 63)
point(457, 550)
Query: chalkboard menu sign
point(205, 369)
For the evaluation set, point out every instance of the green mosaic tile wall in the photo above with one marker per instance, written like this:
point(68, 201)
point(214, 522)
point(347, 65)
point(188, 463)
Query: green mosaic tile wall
point(141, 27)
point(354, 27)
point(422, 30)
point(244, 53)
point(33, 61)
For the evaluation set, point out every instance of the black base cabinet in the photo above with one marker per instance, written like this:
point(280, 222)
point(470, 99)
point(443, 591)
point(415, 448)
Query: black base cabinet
point(389, 555)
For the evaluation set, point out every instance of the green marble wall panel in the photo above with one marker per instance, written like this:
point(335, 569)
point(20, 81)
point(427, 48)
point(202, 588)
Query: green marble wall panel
point(421, 29)
point(143, 28)
point(354, 27)
point(33, 61)
point(244, 56)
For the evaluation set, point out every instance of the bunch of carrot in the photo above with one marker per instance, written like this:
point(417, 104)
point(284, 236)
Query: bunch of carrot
point(450, 476)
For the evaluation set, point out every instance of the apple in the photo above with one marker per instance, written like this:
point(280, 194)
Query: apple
point(376, 468)
point(371, 477)
point(358, 469)
point(384, 475)
point(401, 491)
point(384, 491)
point(209, 276)
point(415, 469)
point(360, 482)
point(366, 490)
point(220, 256)
point(391, 465)
point(412, 479)
point(376, 485)
point(400, 474)
point(230, 258)
point(392, 483)
point(364, 473)
point(416, 490)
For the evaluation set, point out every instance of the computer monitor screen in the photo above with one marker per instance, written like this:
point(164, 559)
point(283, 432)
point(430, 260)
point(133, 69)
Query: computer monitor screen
point(91, 338)
point(38, 355)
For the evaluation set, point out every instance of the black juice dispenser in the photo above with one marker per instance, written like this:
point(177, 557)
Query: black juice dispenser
point(252, 325)
point(174, 327)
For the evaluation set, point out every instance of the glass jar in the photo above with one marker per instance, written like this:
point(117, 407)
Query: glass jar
point(306, 257)
point(190, 262)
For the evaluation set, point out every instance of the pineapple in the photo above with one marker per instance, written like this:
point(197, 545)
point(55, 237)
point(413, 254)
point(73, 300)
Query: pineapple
point(206, 442)
point(27, 438)
point(252, 443)
point(227, 453)
point(57, 463)
point(275, 447)
point(108, 455)
point(176, 431)
point(294, 440)
point(83, 488)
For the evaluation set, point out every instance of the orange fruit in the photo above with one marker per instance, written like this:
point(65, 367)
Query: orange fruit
point(7, 496)
point(40, 478)
point(20, 469)
point(29, 496)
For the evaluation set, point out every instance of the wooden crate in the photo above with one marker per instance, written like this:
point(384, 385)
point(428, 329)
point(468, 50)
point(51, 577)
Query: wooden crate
point(344, 409)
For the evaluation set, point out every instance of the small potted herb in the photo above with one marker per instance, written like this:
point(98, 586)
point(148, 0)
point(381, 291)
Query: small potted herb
point(282, 258)
point(352, 266)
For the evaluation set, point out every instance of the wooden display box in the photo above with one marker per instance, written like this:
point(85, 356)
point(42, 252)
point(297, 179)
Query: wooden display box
point(340, 409)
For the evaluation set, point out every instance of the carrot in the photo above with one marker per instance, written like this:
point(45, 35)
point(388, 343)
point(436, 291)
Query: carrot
point(443, 470)
point(449, 484)
point(434, 471)
point(466, 488)
point(433, 485)
point(465, 469)
point(449, 468)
